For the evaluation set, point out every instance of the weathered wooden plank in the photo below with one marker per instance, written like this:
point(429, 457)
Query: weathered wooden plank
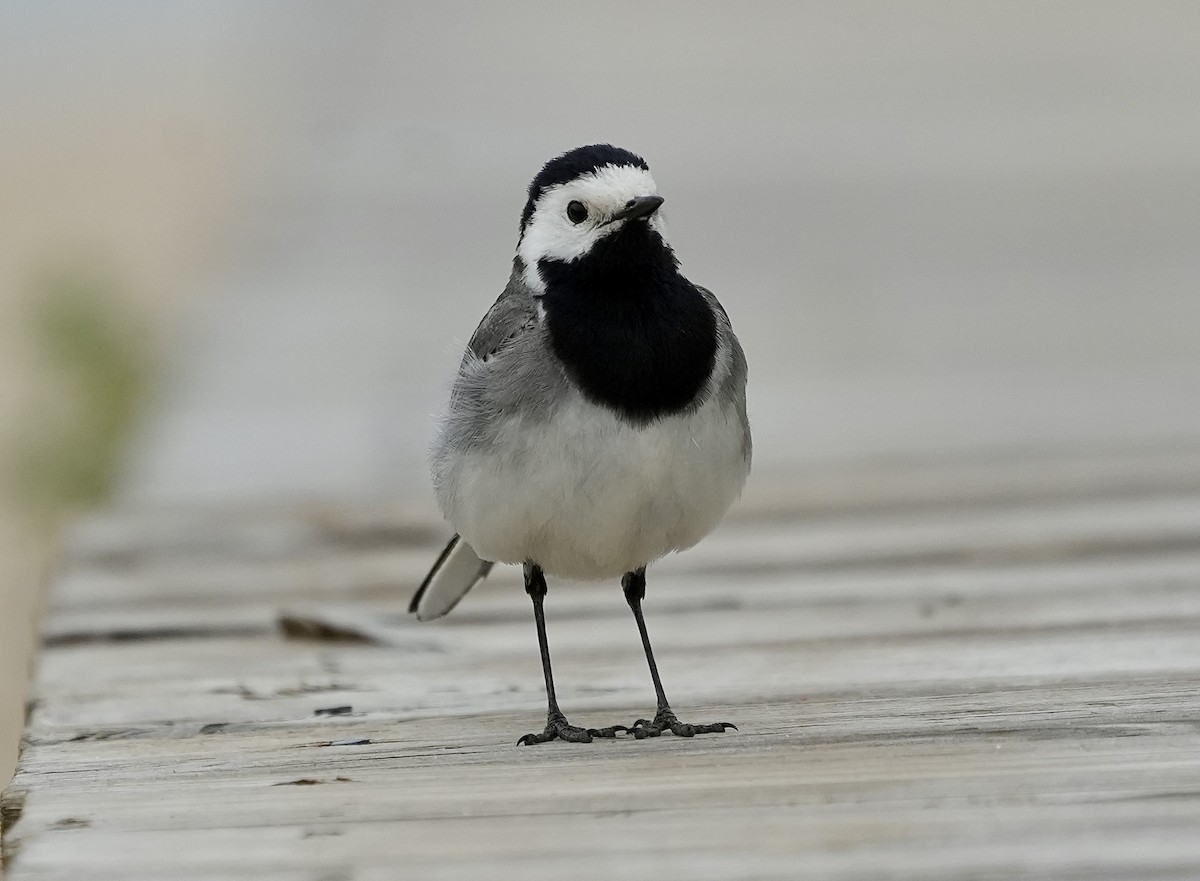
point(939, 593)
point(948, 691)
point(782, 796)
point(496, 667)
point(776, 841)
point(1043, 533)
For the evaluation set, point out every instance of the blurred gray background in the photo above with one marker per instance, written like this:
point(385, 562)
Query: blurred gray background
point(941, 229)
point(937, 227)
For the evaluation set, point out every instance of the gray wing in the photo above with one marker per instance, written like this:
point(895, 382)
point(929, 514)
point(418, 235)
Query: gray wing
point(508, 370)
point(513, 314)
point(732, 387)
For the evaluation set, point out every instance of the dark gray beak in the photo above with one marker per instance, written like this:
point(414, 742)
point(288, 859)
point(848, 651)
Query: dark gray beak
point(642, 206)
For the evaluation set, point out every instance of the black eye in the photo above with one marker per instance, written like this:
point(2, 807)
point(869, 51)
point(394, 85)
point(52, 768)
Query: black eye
point(577, 211)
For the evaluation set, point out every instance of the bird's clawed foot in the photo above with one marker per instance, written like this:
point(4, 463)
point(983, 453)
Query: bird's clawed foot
point(665, 720)
point(558, 729)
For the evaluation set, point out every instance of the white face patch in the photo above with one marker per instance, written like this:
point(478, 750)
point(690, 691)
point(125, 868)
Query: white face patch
point(550, 234)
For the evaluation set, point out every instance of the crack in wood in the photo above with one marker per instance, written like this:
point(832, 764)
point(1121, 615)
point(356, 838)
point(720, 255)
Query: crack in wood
point(312, 781)
point(149, 634)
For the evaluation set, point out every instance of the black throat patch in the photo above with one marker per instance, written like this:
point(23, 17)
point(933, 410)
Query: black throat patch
point(634, 334)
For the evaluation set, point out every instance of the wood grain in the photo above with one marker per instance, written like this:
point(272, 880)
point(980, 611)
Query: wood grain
point(928, 684)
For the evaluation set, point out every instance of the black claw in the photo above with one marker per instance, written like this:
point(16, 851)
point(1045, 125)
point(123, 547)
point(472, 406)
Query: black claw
point(665, 720)
point(557, 729)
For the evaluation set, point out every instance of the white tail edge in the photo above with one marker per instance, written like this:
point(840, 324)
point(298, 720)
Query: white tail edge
point(456, 571)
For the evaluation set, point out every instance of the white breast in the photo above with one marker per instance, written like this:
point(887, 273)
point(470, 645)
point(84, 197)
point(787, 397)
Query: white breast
point(589, 496)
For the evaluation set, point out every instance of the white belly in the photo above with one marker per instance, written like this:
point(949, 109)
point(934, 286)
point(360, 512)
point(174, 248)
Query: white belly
point(589, 496)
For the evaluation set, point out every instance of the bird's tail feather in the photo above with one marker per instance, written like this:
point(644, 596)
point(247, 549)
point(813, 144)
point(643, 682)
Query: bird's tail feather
point(456, 571)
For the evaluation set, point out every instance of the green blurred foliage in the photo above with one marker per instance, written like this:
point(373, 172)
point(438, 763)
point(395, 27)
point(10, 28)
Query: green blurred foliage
point(93, 362)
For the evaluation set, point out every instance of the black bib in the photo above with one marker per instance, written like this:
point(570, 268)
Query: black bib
point(634, 334)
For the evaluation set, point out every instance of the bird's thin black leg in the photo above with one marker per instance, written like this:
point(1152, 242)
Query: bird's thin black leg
point(556, 722)
point(634, 584)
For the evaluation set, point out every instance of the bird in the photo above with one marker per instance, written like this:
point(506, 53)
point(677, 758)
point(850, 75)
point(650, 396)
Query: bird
point(597, 421)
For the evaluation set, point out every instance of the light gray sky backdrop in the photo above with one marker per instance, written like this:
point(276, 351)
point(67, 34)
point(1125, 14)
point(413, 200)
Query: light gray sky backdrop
point(938, 227)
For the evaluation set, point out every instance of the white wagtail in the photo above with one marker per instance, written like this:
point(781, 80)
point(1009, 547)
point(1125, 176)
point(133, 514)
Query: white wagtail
point(598, 418)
